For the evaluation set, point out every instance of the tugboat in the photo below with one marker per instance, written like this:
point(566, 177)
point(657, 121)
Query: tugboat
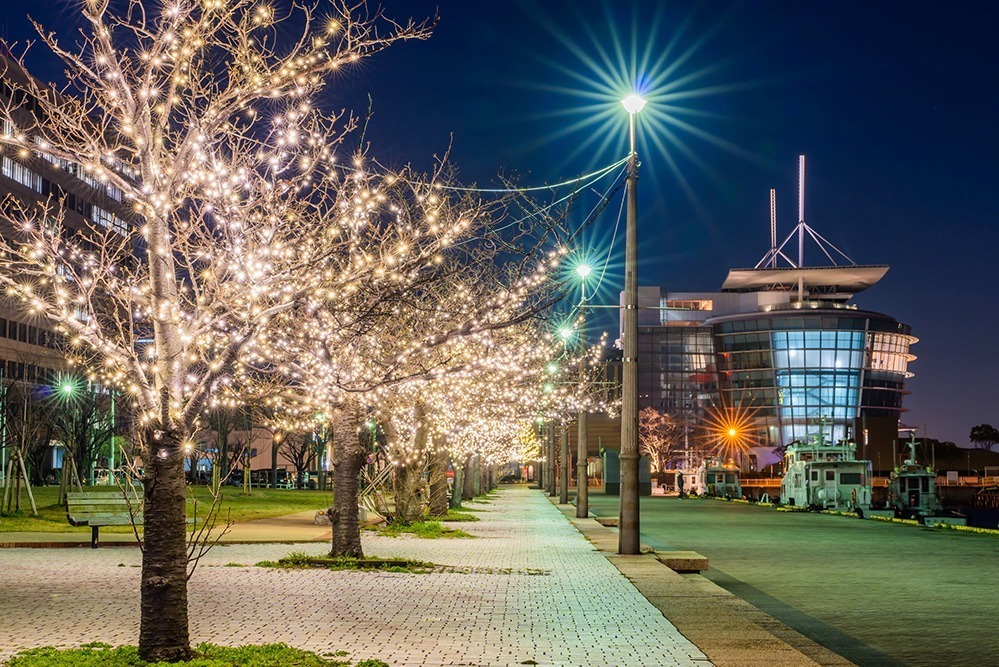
point(912, 493)
point(820, 475)
point(721, 480)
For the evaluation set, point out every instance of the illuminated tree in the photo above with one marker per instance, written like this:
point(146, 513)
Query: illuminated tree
point(660, 437)
point(198, 115)
point(445, 278)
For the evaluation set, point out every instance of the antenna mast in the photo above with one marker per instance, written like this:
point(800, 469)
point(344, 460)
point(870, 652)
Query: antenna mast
point(773, 228)
point(801, 211)
point(801, 225)
point(770, 259)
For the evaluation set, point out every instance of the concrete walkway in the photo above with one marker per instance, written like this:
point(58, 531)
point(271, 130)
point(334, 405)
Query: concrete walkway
point(529, 587)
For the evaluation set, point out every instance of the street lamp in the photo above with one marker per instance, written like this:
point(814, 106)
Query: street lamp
point(582, 434)
point(628, 526)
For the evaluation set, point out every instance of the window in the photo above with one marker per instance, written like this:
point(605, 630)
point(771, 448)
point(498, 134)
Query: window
point(109, 220)
point(18, 172)
point(830, 475)
point(849, 478)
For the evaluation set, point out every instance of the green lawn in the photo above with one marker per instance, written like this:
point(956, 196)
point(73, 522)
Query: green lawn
point(259, 504)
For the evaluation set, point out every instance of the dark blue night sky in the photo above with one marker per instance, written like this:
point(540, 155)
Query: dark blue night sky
point(893, 103)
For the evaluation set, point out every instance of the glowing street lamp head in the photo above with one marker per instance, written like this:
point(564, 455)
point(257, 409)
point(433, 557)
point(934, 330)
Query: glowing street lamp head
point(566, 333)
point(583, 270)
point(633, 103)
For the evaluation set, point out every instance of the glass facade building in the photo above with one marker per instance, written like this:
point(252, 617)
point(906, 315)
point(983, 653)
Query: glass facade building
point(795, 367)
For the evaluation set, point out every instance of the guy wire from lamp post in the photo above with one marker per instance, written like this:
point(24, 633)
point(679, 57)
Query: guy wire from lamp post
point(628, 522)
point(582, 436)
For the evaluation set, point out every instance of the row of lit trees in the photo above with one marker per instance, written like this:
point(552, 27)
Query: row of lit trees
point(265, 264)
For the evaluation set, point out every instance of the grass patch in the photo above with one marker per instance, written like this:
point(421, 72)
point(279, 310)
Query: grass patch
point(454, 515)
point(428, 530)
point(258, 504)
point(299, 560)
point(206, 655)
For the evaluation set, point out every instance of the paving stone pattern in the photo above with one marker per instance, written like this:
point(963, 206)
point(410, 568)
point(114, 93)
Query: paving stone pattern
point(579, 611)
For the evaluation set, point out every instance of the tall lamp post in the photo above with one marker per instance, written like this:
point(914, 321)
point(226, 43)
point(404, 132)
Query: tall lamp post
point(563, 454)
point(628, 526)
point(582, 435)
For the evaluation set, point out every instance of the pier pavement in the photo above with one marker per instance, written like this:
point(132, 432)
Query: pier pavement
point(533, 586)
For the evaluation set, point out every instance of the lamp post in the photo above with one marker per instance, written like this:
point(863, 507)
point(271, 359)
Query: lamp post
point(582, 435)
point(563, 471)
point(551, 458)
point(628, 525)
point(563, 427)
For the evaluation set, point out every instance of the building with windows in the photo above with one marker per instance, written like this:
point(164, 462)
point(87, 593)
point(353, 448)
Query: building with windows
point(71, 200)
point(780, 354)
point(756, 354)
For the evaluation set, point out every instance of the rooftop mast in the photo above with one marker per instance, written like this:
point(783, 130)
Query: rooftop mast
point(801, 229)
point(773, 228)
point(801, 225)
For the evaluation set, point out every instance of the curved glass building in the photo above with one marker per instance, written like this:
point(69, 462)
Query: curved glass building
point(785, 350)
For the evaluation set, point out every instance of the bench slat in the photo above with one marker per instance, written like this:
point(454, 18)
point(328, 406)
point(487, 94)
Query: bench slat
point(95, 509)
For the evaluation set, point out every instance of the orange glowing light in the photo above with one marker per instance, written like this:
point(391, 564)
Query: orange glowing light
point(731, 432)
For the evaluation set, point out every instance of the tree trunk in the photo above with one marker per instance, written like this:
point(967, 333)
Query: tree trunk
point(275, 446)
point(407, 475)
point(349, 457)
point(438, 481)
point(458, 485)
point(408, 481)
point(477, 476)
point(468, 487)
point(163, 625)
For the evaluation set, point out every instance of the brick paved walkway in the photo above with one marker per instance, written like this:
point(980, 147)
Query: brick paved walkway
point(579, 611)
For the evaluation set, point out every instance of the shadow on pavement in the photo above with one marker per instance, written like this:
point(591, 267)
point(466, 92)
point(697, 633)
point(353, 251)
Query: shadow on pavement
point(839, 642)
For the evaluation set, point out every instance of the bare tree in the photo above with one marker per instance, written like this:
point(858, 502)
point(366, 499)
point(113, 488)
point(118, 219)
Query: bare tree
point(660, 437)
point(29, 429)
point(300, 450)
point(200, 115)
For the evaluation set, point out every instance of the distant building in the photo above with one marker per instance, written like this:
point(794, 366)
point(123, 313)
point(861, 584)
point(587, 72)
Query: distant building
point(782, 346)
point(31, 351)
point(792, 367)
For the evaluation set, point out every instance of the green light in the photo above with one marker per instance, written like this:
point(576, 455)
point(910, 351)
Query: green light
point(549, 388)
point(67, 388)
point(565, 333)
point(584, 270)
point(553, 368)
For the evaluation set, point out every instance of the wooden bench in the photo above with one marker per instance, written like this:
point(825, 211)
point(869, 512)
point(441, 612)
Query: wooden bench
point(97, 509)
